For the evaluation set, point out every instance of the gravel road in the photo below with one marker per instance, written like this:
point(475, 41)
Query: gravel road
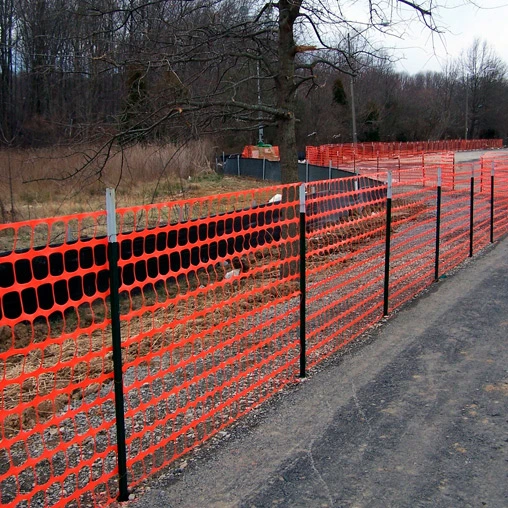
point(415, 414)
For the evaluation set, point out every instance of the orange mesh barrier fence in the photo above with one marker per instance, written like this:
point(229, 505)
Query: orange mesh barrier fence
point(465, 216)
point(340, 154)
point(496, 165)
point(421, 168)
point(455, 226)
point(413, 227)
point(57, 424)
point(418, 170)
point(209, 317)
point(212, 308)
point(345, 256)
point(346, 249)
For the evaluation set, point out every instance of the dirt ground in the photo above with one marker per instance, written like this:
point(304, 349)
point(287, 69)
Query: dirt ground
point(415, 414)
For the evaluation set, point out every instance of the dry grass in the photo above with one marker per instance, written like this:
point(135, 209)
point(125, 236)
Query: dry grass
point(54, 182)
point(71, 352)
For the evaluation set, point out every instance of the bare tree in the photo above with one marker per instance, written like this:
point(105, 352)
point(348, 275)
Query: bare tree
point(7, 36)
point(118, 72)
point(205, 65)
point(483, 76)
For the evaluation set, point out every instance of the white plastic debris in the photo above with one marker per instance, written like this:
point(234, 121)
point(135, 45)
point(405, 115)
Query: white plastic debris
point(275, 199)
point(232, 273)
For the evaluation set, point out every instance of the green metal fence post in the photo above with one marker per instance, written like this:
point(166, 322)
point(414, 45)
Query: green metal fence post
point(471, 215)
point(303, 288)
point(438, 223)
point(492, 203)
point(388, 240)
point(113, 255)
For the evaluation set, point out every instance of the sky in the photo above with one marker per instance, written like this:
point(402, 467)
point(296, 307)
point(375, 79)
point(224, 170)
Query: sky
point(462, 21)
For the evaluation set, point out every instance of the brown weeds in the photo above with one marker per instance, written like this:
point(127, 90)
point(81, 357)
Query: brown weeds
point(40, 183)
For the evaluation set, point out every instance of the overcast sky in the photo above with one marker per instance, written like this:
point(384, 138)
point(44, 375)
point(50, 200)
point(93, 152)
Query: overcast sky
point(462, 21)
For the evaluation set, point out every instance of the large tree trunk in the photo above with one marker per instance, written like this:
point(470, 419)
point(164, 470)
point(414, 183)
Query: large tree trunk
point(286, 123)
point(285, 86)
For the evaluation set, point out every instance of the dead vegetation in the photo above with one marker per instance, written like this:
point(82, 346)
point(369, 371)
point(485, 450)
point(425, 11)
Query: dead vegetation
point(41, 183)
point(51, 361)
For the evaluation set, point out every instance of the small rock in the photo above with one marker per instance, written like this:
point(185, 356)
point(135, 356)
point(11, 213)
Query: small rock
point(132, 497)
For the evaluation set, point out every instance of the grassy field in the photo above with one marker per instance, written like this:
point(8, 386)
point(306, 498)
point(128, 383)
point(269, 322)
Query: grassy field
point(53, 182)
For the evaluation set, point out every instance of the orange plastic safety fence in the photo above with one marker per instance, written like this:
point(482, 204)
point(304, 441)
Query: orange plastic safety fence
point(341, 154)
point(209, 304)
point(346, 250)
point(345, 260)
point(499, 164)
point(57, 423)
point(454, 229)
point(418, 170)
point(501, 200)
point(209, 308)
point(458, 237)
point(413, 233)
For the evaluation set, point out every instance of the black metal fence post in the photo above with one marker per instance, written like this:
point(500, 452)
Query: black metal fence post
point(492, 203)
point(113, 256)
point(438, 224)
point(471, 215)
point(423, 169)
point(453, 173)
point(388, 240)
point(303, 288)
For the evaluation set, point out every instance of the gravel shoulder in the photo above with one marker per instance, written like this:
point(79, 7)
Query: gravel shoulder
point(414, 414)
